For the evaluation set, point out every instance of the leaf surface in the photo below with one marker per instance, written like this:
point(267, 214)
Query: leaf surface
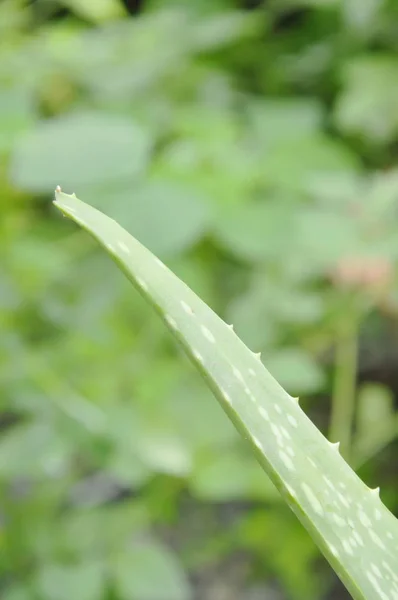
point(353, 529)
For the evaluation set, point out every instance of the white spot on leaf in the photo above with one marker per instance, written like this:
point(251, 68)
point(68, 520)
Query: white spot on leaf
point(171, 321)
point(237, 374)
point(285, 432)
point(338, 520)
point(376, 570)
point(275, 430)
point(257, 443)
point(287, 461)
point(376, 539)
point(142, 283)
point(363, 517)
point(123, 247)
point(186, 307)
point(343, 500)
point(208, 334)
point(197, 356)
point(263, 413)
point(358, 538)
point(347, 547)
point(290, 490)
point(328, 482)
point(333, 550)
point(226, 396)
point(312, 498)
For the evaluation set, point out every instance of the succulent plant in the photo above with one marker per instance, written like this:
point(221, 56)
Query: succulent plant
point(354, 530)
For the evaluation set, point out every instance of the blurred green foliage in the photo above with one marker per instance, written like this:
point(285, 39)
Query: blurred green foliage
point(252, 146)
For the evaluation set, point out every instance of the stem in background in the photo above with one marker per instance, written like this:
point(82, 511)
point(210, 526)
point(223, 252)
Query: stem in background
point(344, 387)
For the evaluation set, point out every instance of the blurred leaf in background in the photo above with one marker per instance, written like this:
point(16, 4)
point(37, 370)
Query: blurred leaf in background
point(252, 146)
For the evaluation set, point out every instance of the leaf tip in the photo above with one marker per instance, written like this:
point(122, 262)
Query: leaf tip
point(231, 327)
point(257, 355)
point(375, 492)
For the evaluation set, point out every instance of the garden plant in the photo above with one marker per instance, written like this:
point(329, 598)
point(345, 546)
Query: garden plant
point(354, 530)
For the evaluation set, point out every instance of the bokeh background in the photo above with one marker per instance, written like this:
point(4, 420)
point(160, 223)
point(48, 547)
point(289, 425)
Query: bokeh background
point(253, 146)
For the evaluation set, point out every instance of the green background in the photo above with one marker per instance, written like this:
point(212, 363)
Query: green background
point(253, 146)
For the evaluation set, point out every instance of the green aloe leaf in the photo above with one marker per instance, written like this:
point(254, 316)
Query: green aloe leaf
point(353, 529)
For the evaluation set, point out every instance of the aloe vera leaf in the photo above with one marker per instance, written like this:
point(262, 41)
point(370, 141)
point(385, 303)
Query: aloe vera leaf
point(357, 534)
